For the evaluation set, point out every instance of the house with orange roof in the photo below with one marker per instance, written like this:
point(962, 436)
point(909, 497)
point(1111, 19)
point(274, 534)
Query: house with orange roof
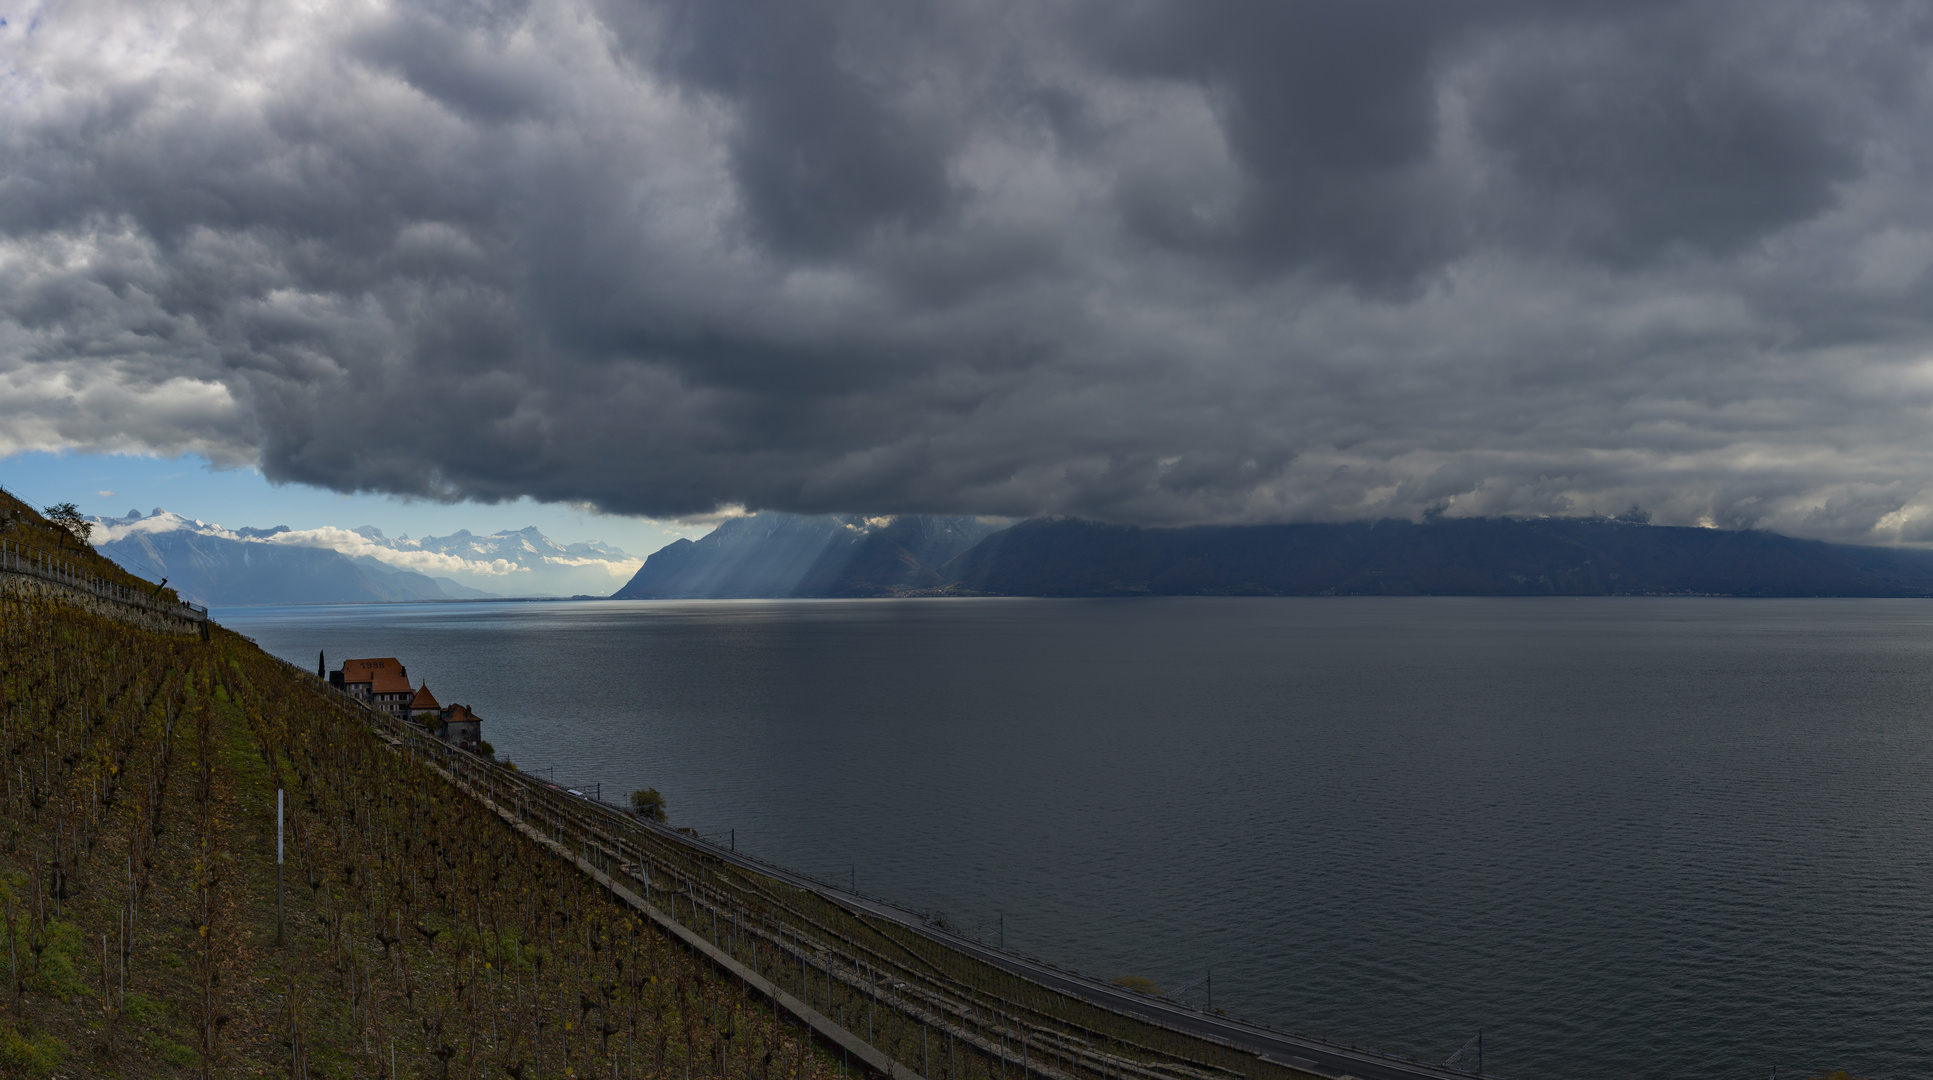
point(460, 727)
point(424, 704)
point(383, 682)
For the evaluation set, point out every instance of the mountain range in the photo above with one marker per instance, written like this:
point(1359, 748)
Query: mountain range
point(214, 565)
point(777, 555)
point(788, 555)
point(780, 555)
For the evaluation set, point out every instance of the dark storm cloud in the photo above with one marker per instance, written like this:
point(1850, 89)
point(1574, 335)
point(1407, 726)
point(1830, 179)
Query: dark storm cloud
point(1330, 108)
point(1642, 126)
point(820, 157)
point(1680, 128)
point(1214, 260)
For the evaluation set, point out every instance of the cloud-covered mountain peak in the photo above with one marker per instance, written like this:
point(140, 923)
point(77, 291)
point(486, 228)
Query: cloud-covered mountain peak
point(108, 530)
point(520, 562)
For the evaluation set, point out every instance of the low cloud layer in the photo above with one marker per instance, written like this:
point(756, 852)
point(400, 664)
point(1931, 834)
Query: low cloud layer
point(1158, 261)
point(343, 541)
point(520, 563)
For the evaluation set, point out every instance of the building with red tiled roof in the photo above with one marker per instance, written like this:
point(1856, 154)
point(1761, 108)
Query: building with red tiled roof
point(460, 727)
point(381, 681)
point(424, 704)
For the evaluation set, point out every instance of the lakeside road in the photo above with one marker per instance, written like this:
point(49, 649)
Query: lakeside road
point(1294, 1051)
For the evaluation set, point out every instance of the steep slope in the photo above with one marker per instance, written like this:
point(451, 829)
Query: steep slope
point(24, 529)
point(1480, 557)
point(780, 555)
point(145, 812)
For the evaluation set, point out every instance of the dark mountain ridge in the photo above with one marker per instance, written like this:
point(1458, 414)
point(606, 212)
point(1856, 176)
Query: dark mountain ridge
point(783, 555)
point(1460, 557)
point(788, 555)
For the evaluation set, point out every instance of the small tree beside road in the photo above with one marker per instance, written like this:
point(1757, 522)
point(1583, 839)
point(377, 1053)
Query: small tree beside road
point(647, 803)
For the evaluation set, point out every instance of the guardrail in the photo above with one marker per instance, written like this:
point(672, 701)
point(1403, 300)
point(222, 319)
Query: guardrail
point(18, 558)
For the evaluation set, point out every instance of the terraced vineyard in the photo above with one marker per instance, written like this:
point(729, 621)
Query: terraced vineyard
point(422, 936)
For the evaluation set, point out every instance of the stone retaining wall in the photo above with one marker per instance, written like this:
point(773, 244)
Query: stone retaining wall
point(28, 586)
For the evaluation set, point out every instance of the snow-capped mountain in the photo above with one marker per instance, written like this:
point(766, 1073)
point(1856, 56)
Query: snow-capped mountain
point(221, 566)
point(522, 550)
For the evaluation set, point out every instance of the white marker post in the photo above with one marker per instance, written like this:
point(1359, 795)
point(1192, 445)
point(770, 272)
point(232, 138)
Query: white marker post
point(278, 866)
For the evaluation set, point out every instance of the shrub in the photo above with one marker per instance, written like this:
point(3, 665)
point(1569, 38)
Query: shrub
point(24, 1054)
point(1137, 983)
point(181, 1057)
point(648, 803)
point(484, 748)
point(57, 977)
point(13, 887)
point(140, 1008)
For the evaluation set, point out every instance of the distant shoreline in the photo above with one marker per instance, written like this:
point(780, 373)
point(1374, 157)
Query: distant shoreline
point(441, 600)
point(1019, 596)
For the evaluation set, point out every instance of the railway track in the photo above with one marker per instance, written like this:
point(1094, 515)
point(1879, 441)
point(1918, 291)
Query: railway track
point(942, 1005)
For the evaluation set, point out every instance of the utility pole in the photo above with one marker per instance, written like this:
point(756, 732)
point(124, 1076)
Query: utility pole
point(278, 867)
point(1475, 1041)
point(1003, 931)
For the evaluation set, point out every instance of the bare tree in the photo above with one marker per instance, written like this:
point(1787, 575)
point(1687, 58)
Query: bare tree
point(67, 517)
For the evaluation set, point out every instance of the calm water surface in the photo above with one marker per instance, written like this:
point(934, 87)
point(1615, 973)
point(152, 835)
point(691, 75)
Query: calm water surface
point(1623, 837)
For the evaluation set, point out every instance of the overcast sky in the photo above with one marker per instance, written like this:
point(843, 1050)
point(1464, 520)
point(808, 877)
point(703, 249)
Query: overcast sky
point(1144, 261)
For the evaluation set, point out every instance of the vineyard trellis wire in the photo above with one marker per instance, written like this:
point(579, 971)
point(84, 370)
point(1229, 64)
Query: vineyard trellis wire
point(33, 561)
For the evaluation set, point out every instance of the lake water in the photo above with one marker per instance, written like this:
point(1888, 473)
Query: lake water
point(1623, 837)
